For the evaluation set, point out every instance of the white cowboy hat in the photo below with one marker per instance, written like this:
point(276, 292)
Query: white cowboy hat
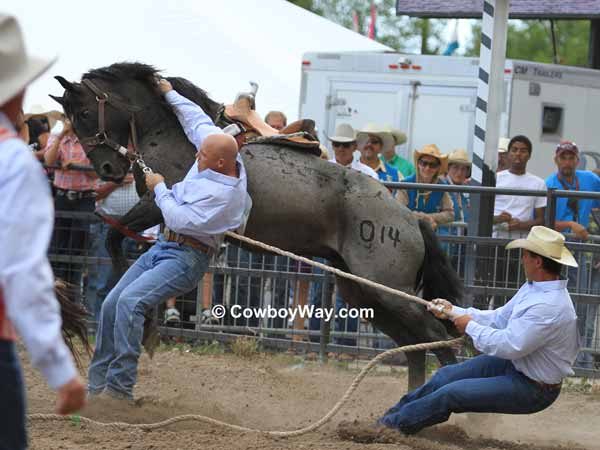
point(343, 133)
point(503, 145)
point(17, 69)
point(384, 133)
point(545, 242)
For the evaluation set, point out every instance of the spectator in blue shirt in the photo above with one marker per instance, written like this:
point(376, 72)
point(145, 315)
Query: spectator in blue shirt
point(572, 214)
point(372, 141)
point(434, 206)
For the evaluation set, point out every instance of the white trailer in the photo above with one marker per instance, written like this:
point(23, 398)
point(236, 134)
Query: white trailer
point(432, 99)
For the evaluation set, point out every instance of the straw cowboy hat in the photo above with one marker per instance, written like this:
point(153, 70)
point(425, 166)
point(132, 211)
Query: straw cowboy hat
point(459, 156)
point(545, 242)
point(17, 69)
point(37, 111)
point(389, 136)
point(343, 133)
point(503, 145)
point(432, 150)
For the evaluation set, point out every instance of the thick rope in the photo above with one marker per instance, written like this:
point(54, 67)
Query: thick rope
point(195, 417)
point(327, 268)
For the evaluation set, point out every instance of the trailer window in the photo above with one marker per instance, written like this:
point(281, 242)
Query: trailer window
point(552, 119)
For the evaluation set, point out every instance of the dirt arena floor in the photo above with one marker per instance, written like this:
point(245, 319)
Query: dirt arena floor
point(281, 392)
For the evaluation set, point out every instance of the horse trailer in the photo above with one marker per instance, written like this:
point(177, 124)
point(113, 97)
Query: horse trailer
point(432, 99)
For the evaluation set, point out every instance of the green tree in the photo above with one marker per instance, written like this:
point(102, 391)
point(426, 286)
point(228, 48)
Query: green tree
point(532, 40)
point(404, 34)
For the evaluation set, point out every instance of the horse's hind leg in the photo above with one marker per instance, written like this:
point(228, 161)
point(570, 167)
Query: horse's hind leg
point(358, 297)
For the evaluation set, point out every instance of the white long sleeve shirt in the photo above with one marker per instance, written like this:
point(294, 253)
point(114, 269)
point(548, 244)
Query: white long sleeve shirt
point(26, 279)
point(536, 330)
point(205, 204)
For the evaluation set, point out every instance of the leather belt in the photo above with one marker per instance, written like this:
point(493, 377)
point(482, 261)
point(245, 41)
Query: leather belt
point(546, 386)
point(187, 240)
point(75, 195)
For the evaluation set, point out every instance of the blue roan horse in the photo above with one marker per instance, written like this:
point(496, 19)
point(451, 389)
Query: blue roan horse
point(300, 203)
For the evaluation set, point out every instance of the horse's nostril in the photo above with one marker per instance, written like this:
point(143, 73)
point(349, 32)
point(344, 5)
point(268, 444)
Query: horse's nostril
point(106, 168)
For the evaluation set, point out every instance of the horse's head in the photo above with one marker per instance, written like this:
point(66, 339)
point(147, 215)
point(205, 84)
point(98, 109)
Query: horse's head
point(129, 91)
point(102, 109)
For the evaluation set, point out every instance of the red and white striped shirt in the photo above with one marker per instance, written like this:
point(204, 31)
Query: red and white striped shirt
point(71, 150)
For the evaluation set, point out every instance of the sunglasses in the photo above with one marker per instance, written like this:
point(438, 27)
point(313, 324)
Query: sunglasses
point(342, 144)
point(374, 141)
point(430, 164)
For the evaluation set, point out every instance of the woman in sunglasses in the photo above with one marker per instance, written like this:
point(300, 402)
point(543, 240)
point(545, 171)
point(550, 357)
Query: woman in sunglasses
point(435, 206)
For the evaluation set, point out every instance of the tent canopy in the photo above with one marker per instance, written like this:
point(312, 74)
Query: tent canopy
point(220, 46)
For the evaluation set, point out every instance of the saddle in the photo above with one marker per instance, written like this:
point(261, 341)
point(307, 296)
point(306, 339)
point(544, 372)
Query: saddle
point(249, 127)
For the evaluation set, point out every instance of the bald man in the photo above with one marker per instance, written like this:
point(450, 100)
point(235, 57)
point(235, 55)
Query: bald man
point(197, 211)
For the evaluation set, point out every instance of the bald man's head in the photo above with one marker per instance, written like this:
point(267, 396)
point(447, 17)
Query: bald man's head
point(218, 152)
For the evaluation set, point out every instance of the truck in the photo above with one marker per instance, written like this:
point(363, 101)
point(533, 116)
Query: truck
point(432, 99)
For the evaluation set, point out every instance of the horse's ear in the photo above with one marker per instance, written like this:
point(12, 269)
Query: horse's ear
point(64, 83)
point(60, 100)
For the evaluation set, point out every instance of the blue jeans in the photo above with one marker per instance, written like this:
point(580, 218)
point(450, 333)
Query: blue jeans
point(166, 270)
point(12, 403)
point(482, 384)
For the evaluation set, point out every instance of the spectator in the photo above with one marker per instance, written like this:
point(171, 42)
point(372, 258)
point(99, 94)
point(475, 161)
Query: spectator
point(75, 192)
point(39, 124)
point(514, 215)
point(434, 206)
point(459, 171)
point(28, 305)
point(502, 154)
point(113, 201)
point(389, 155)
point(372, 140)
point(573, 215)
point(344, 146)
point(276, 119)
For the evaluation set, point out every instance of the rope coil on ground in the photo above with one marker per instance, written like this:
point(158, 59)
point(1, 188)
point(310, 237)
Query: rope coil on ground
point(195, 417)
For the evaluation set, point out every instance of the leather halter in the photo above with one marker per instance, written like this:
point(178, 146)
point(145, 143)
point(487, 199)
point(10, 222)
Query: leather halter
point(101, 138)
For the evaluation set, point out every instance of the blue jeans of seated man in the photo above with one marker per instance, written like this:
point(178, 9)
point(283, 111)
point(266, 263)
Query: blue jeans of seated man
point(481, 384)
point(168, 269)
point(12, 404)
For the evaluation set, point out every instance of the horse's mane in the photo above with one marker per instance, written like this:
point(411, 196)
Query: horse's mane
point(127, 71)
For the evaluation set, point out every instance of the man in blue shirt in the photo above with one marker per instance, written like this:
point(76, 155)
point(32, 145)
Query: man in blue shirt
point(572, 215)
point(210, 200)
point(528, 346)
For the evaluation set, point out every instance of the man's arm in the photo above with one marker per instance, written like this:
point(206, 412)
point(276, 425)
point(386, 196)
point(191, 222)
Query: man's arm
point(496, 318)
point(521, 337)
point(196, 124)
point(25, 274)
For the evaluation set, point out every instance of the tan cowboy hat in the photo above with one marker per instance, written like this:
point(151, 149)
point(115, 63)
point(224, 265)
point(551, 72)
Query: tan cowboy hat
point(343, 133)
point(503, 145)
point(545, 242)
point(459, 156)
point(432, 150)
point(38, 111)
point(17, 69)
point(399, 136)
point(382, 132)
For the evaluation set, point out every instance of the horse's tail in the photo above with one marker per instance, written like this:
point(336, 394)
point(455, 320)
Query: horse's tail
point(74, 320)
point(437, 278)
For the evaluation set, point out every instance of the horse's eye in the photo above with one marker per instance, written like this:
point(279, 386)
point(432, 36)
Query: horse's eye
point(85, 114)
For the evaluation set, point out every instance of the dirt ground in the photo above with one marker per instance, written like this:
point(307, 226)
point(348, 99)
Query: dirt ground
point(278, 392)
